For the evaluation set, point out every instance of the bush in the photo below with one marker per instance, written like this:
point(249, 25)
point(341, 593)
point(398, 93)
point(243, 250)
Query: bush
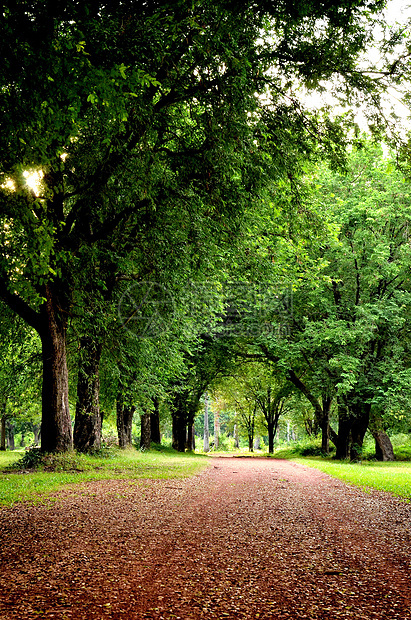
point(311, 451)
point(402, 446)
point(31, 459)
point(305, 447)
point(225, 443)
point(59, 462)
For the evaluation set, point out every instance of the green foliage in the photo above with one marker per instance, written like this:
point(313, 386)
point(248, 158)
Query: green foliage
point(305, 447)
point(225, 443)
point(31, 459)
point(166, 138)
point(402, 446)
point(390, 477)
point(68, 461)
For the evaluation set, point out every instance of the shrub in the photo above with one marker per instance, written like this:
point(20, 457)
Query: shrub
point(31, 459)
point(225, 443)
point(305, 447)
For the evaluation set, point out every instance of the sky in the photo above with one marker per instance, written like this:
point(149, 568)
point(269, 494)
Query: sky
point(397, 11)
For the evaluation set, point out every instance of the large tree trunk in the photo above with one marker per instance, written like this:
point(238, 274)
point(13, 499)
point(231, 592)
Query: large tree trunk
point(190, 445)
point(87, 426)
point(125, 413)
point(360, 421)
point(344, 433)
point(155, 422)
point(325, 425)
point(383, 446)
point(179, 432)
point(50, 323)
point(145, 438)
point(179, 421)
point(352, 425)
point(56, 430)
point(271, 434)
point(3, 426)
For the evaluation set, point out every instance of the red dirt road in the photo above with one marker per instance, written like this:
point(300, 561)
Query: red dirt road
point(247, 538)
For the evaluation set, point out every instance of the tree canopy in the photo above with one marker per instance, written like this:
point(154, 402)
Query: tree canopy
point(166, 143)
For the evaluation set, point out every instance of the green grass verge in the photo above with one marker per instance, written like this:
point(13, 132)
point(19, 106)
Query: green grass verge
point(36, 486)
point(391, 477)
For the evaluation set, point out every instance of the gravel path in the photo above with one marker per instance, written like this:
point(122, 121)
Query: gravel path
point(247, 538)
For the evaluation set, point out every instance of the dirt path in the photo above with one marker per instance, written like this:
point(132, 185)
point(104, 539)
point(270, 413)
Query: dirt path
point(247, 538)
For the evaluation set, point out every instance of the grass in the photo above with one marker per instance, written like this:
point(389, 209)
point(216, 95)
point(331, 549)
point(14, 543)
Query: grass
point(393, 477)
point(35, 486)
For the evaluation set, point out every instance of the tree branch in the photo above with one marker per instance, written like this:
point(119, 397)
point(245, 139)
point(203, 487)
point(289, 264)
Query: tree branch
point(19, 306)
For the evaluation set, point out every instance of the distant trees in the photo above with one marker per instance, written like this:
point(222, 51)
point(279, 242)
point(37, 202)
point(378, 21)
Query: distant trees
point(19, 376)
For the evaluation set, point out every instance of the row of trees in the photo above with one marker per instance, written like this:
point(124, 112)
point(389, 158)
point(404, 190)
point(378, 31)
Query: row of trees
point(175, 168)
point(341, 337)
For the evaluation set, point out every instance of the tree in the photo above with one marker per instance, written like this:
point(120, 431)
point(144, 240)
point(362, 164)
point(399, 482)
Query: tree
point(92, 115)
point(120, 109)
point(271, 399)
point(349, 339)
point(236, 391)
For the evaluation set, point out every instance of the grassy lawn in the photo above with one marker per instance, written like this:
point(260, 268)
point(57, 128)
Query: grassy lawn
point(391, 477)
point(35, 486)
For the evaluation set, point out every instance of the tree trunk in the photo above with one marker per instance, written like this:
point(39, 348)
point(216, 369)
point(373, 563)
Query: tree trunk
point(56, 430)
point(344, 433)
point(125, 415)
point(179, 432)
point(37, 434)
point(352, 425)
point(145, 439)
point(325, 425)
point(87, 426)
point(10, 428)
point(190, 437)
point(155, 422)
point(216, 428)
point(179, 421)
point(206, 447)
point(383, 446)
point(359, 425)
point(250, 441)
point(3, 426)
point(271, 433)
